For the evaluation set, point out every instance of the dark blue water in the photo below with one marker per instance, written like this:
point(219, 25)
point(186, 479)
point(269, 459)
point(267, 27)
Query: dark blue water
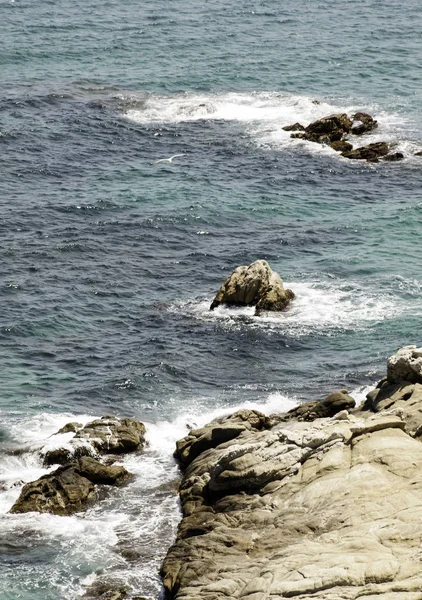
point(109, 262)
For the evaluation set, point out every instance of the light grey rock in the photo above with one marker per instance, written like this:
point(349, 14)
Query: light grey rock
point(254, 285)
point(327, 509)
point(405, 365)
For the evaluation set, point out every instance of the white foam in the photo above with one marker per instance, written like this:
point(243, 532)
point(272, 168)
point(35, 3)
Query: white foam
point(264, 114)
point(318, 307)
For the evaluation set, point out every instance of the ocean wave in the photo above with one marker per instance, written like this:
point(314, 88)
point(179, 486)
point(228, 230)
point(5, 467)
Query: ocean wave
point(321, 308)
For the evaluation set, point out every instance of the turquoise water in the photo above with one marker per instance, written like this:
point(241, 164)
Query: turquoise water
point(109, 262)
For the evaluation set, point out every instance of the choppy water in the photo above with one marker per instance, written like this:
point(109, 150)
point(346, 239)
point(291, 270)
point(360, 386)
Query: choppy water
point(109, 262)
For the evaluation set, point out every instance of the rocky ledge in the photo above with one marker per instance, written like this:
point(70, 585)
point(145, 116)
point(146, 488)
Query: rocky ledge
point(323, 502)
point(334, 130)
point(254, 285)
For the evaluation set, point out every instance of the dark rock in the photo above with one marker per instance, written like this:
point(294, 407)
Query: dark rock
point(371, 152)
point(394, 157)
point(418, 153)
point(255, 284)
point(328, 407)
point(294, 127)
point(69, 489)
point(363, 123)
point(341, 146)
point(99, 473)
point(333, 126)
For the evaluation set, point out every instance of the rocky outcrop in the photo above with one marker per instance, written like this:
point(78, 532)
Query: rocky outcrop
point(254, 285)
point(334, 130)
point(108, 435)
point(363, 123)
point(328, 508)
point(70, 488)
point(371, 152)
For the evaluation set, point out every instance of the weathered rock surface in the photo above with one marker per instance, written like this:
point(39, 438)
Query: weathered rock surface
point(255, 284)
point(363, 123)
point(108, 435)
point(341, 146)
point(328, 509)
point(371, 152)
point(68, 489)
point(333, 131)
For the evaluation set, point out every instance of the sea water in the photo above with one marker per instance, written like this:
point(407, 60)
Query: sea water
point(109, 262)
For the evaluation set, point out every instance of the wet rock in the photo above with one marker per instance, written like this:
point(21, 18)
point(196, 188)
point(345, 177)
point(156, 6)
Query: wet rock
point(418, 153)
point(363, 123)
point(294, 127)
point(69, 489)
point(108, 435)
point(333, 126)
point(257, 285)
point(371, 152)
point(394, 157)
point(341, 146)
point(105, 590)
point(70, 427)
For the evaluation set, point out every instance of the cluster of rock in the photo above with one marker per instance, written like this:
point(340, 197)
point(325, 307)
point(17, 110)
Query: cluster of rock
point(322, 502)
point(333, 131)
point(74, 485)
point(254, 285)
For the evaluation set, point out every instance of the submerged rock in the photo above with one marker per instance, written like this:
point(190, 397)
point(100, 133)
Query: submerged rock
point(68, 489)
point(108, 435)
point(394, 157)
point(315, 506)
point(257, 285)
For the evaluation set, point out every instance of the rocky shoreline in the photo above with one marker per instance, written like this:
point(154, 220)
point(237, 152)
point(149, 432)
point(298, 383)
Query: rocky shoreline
point(322, 502)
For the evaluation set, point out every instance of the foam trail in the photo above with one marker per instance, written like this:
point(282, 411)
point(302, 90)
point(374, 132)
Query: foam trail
point(319, 307)
point(264, 114)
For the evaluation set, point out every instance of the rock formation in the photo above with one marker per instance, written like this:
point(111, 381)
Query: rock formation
point(107, 435)
point(333, 131)
point(70, 488)
point(322, 503)
point(254, 285)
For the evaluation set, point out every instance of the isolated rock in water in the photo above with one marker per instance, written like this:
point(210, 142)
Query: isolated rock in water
point(419, 153)
point(294, 127)
point(371, 152)
point(108, 435)
point(328, 509)
point(394, 157)
point(333, 126)
point(363, 123)
point(341, 146)
point(255, 284)
point(69, 489)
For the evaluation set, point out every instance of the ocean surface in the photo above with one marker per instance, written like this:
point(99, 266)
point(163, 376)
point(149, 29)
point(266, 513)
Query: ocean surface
point(109, 262)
